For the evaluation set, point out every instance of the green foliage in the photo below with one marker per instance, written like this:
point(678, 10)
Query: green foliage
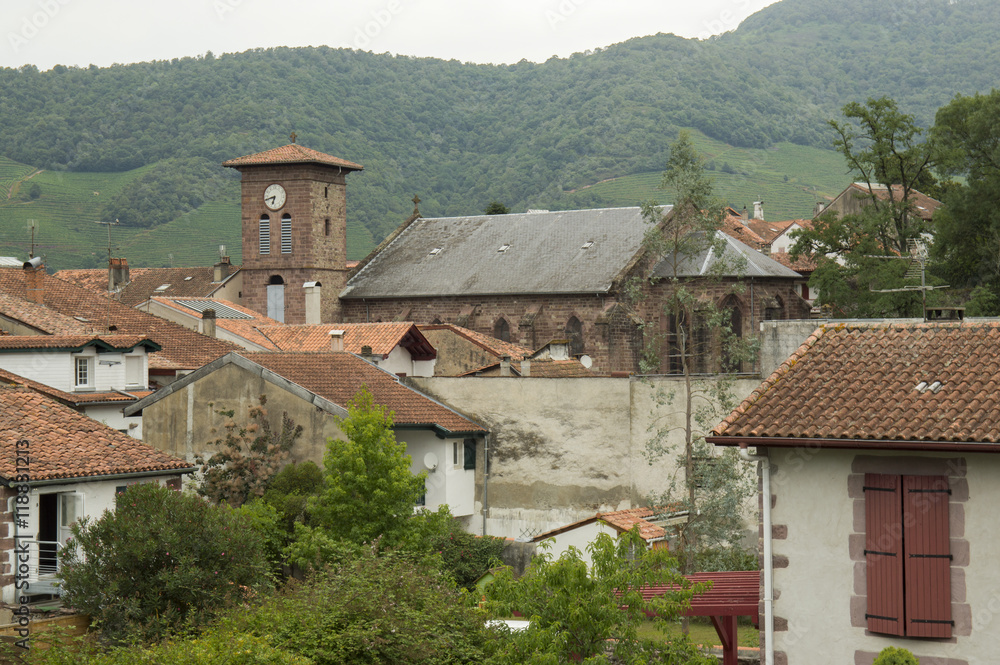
point(578, 613)
point(161, 561)
point(248, 458)
point(882, 148)
point(175, 187)
point(895, 656)
point(374, 608)
point(34, 191)
point(496, 208)
point(463, 556)
point(368, 491)
point(288, 493)
point(983, 301)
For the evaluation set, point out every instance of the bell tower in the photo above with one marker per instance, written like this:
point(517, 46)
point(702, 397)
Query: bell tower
point(294, 215)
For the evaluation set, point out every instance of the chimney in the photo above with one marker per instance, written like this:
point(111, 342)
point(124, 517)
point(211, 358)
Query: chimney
point(525, 367)
point(117, 274)
point(819, 208)
point(743, 215)
point(758, 210)
point(559, 349)
point(366, 354)
point(208, 322)
point(313, 303)
point(34, 284)
point(337, 342)
point(505, 366)
point(221, 269)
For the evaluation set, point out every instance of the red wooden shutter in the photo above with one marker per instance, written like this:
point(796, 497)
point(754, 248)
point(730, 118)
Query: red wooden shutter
point(884, 553)
point(927, 556)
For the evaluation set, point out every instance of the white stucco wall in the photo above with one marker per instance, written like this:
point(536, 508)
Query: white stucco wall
point(814, 591)
point(580, 538)
point(446, 483)
point(56, 368)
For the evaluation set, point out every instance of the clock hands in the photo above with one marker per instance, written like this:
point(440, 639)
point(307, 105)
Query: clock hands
point(272, 199)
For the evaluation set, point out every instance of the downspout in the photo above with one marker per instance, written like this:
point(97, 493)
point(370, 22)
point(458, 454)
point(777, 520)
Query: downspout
point(765, 472)
point(486, 478)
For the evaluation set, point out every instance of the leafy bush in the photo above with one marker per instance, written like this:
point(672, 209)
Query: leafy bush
point(372, 609)
point(249, 456)
point(161, 561)
point(289, 491)
point(895, 656)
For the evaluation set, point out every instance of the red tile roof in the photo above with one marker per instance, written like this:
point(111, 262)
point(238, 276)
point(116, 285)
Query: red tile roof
point(245, 328)
point(63, 443)
point(182, 348)
point(735, 228)
point(41, 317)
point(768, 231)
point(896, 382)
point(77, 400)
point(293, 153)
point(497, 347)
point(803, 264)
point(923, 205)
point(623, 520)
point(143, 283)
point(76, 342)
point(381, 337)
point(339, 376)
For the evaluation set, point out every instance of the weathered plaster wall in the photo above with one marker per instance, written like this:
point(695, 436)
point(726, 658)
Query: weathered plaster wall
point(819, 566)
point(564, 449)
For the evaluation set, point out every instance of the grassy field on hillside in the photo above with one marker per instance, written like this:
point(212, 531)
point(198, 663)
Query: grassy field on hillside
point(788, 178)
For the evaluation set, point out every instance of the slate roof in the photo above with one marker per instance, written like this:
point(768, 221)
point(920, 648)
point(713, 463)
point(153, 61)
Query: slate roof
point(293, 153)
point(182, 348)
point(335, 378)
point(737, 260)
point(381, 337)
point(63, 443)
point(544, 254)
point(143, 282)
point(898, 385)
point(622, 521)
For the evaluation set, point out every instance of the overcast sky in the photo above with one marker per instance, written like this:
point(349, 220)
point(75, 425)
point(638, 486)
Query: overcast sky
point(102, 32)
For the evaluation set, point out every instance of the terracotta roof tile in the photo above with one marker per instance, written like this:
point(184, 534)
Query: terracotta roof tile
point(381, 337)
point(109, 342)
point(143, 282)
point(41, 317)
point(497, 347)
point(246, 328)
point(66, 444)
point(930, 382)
point(735, 228)
point(624, 520)
point(72, 399)
point(768, 231)
point(293, 153)
point(923, 205)
point(803, 264)
point(182, 348)
point(339, 376)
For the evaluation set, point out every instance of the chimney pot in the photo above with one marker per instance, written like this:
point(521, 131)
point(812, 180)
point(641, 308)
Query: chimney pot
point(525, 367)
point(208, 323)
point(337, 342)
point(505, 366)
point(34, 284)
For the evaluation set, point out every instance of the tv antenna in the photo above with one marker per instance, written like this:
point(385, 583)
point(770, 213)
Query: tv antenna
point(32, 225)
point(916, 270)
point(109, 225)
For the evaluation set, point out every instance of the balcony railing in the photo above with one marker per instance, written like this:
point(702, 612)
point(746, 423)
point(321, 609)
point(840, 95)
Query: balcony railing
point(42, 562)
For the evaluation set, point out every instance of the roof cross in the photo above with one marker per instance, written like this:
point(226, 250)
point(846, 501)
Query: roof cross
point(416, 203)
point(293, 136)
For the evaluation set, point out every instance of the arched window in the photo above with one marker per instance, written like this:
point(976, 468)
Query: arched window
point(276, 298)
point(286, 234)
point(264, 235)
point(501, 329)
point(732, 335)
point(574, 333)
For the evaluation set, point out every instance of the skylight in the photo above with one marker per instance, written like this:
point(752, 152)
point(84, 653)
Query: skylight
point(162, 287)
point(503, 248)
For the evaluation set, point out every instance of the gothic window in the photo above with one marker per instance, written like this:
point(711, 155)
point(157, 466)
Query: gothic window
point(501, 329)
point(574, 333)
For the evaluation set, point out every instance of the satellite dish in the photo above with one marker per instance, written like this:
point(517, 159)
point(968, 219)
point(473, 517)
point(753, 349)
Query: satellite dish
point(586, 361)
point(431, 461)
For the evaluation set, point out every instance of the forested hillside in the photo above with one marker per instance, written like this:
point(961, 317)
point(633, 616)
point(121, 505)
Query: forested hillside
point(460, 135)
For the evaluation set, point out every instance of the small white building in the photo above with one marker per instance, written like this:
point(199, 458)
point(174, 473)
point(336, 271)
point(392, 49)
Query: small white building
point(98, 375)
point(56, 466)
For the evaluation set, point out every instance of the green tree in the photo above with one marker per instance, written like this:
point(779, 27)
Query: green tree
point(862, 257)
point(249, 456)
point(496, 208)
point(711, 485)
point(966, 136)
point(161, 561)
point(368, 490)
point(577, 613)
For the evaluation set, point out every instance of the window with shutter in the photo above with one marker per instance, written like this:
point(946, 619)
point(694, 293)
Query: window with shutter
point(264, 235)
point(469, 455)
point(907, 555)
point(286, 234)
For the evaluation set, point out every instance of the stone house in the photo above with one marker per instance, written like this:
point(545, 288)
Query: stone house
point(878, 452)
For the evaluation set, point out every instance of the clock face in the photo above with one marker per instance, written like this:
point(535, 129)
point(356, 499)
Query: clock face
point(274, 196)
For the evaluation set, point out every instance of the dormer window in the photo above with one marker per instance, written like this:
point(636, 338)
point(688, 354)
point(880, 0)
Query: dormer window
point(83, 372)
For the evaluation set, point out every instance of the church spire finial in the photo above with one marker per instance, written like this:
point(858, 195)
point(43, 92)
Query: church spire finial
point(293, 136)
point(416, 204)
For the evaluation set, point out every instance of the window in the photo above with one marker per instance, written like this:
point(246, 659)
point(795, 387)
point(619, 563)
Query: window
point(133, 370)
point(84, 373)
point(456, 453)
point(501, 330)
point(907, 555)
point(286, 234)
point(469, 453)
point(574, 333)
point(264, 232)
point(326, 226)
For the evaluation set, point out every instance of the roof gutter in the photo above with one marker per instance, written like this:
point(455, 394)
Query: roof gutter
point(854, 444)
point(109, 476)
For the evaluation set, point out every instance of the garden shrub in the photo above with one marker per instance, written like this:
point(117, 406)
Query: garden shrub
point(895, 656)
point(162, 560)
